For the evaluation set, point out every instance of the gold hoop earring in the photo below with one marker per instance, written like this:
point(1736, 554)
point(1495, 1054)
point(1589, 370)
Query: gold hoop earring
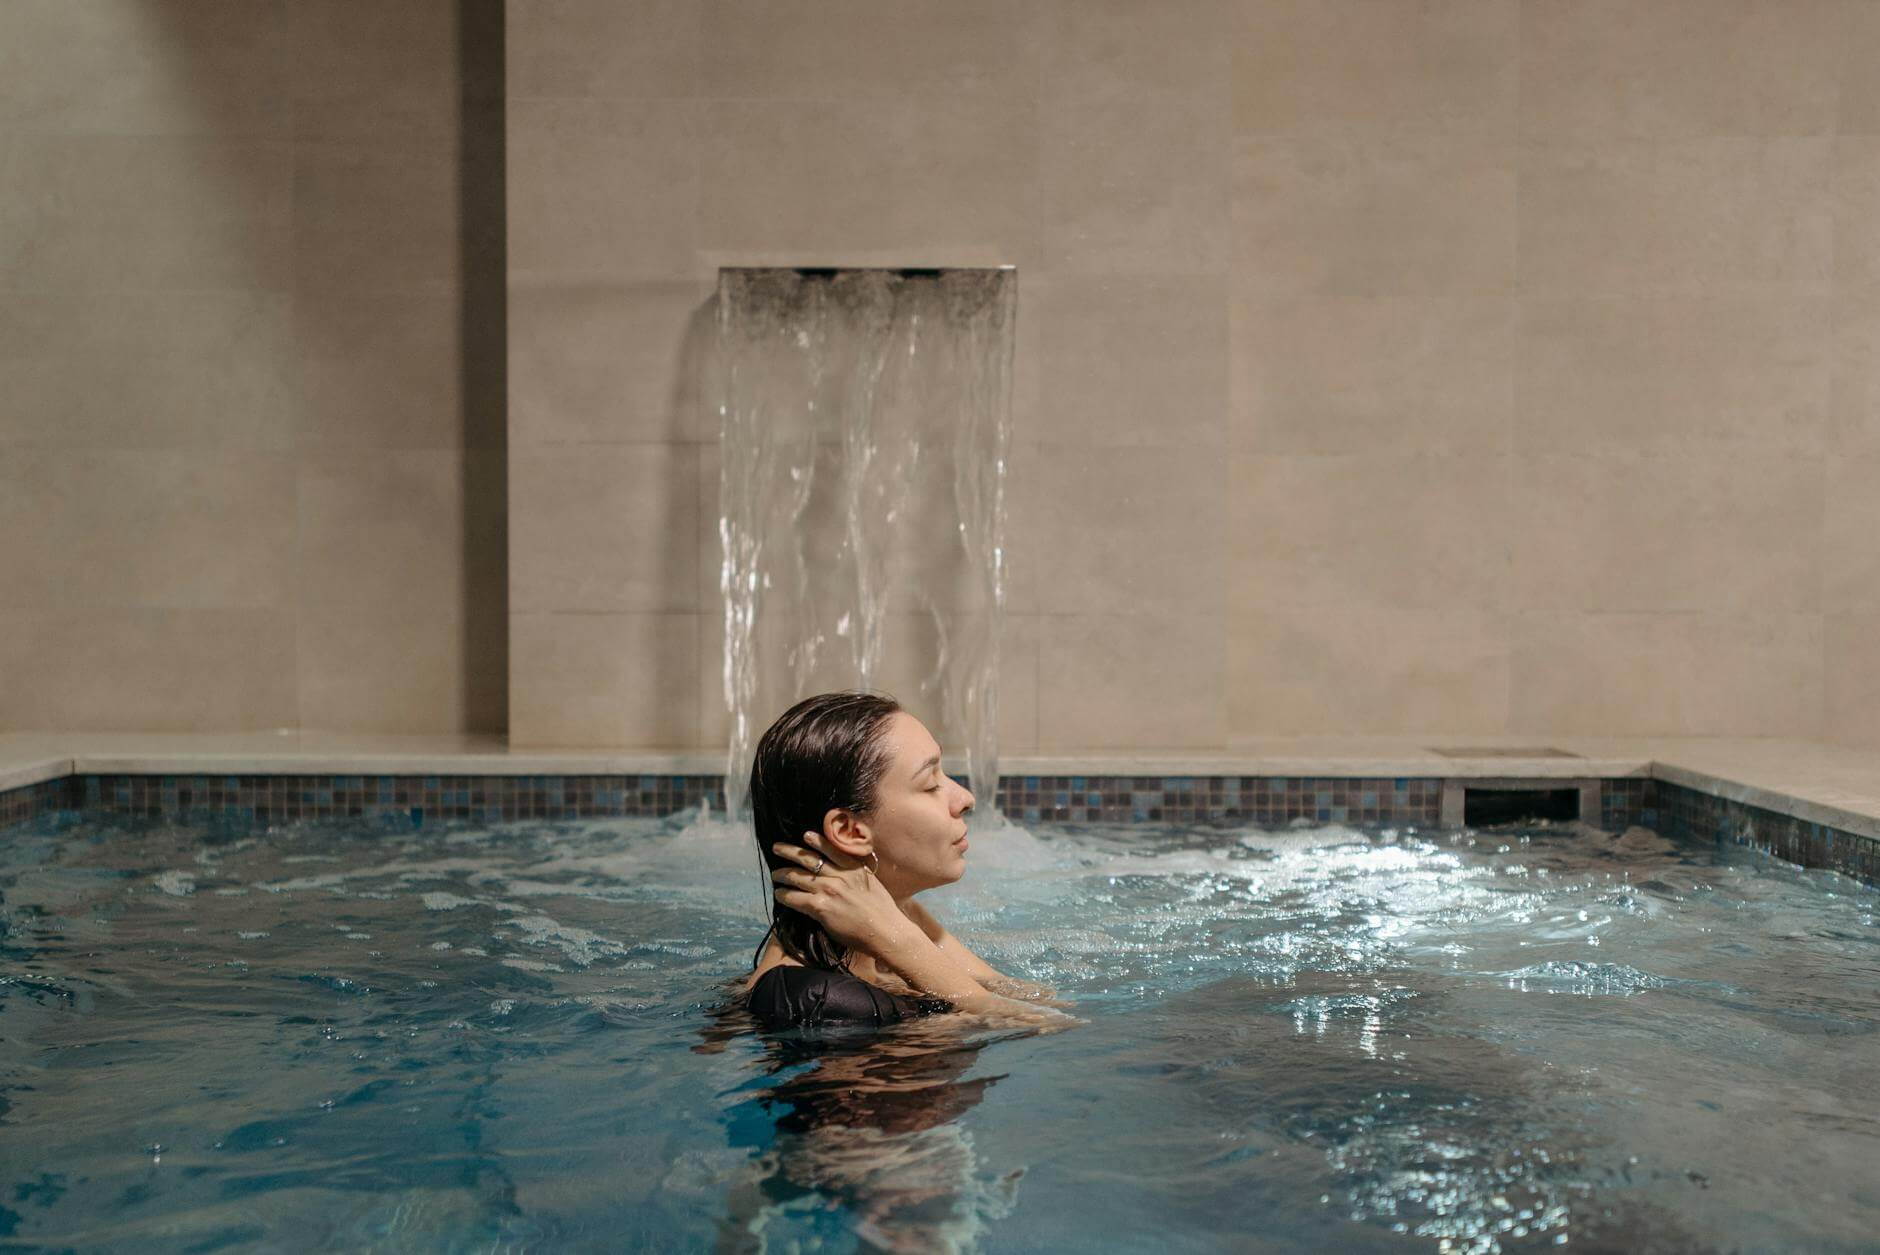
point(877, 867)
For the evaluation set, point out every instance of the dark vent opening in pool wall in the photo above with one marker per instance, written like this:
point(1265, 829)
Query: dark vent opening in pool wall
point(1484, 808)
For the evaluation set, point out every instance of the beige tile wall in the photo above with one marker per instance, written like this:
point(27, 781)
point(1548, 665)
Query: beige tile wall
point(1473, 367)
point(237, 481)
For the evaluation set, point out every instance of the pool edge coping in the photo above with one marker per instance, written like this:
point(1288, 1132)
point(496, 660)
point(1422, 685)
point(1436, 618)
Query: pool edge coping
point(26, 774)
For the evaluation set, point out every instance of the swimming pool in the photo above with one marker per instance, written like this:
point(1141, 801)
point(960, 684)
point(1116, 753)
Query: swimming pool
point(515, 1035)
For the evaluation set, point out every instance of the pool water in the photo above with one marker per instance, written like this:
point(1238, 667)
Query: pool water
point(520, 1037)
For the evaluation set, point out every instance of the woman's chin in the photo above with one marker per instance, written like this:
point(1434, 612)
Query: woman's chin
point(947, 875)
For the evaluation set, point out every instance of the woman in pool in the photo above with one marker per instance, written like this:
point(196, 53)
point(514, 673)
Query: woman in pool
point(854, 817)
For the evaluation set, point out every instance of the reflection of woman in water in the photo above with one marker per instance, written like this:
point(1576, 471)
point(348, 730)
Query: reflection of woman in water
point(854, 816)
point(867, 1120)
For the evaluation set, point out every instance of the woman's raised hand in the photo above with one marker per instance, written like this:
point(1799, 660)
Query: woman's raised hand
point(858, 911)
point(850, 904)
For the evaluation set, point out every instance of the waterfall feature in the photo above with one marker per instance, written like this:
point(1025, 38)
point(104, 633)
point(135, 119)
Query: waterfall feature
point(866, 416)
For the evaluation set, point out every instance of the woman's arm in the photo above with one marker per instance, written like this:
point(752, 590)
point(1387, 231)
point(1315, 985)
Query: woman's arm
point(912, 955)
point(851, 904)
point(987, 975)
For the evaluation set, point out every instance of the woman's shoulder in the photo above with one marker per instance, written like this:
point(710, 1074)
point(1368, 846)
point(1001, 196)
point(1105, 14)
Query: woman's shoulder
point(767, 969)
point(772, 958)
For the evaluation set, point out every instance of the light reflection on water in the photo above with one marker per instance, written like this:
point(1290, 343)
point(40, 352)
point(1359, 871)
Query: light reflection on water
point(1314, 1039)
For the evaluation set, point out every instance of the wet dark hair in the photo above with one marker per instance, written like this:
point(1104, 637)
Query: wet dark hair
point(825, 753)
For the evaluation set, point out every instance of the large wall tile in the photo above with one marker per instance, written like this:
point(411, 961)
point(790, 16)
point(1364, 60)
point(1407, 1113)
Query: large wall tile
point(1367, 530)
point(1298, 669)
point(1852, 664)
point(145, 211)
point(1128, 361)
point(858, 50)
point(603, 528)
point(603, 47)
point(1131, 680)
point(803, 181)
point(385, 531)
point(714, 712)
point(1415, 374)
point(1674, 374)
point(1116, 531)
point(146, 69)
point(1095, 48)
point(708, 542)
point(379, 73)
point(486, 590)
point(147, 369)
point(229, 252)
point(380, 667)
point(1304, 65)
point(1502, 302)
point(145, 669)
point(372, 217)
point(379, 371)
point(1855, 373)
point(1134, 185)
point(1667, 674)
point(1021, 643)
point(1851, 552)
point(1681, 68)
point(1855, 182)
point(1859, 87)
point(1715, 532)
point(1644, 218)
point(610, 362)
point(603, 188)
point(1389, 212)
point(196, 530)
point(614, 680)
point(1028, 357)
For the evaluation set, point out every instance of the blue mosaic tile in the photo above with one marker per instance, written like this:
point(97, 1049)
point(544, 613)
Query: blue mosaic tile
point(1268, 801)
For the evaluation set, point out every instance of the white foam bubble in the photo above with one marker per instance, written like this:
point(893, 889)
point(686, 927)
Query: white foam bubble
point(178, 884)
point(580, 945)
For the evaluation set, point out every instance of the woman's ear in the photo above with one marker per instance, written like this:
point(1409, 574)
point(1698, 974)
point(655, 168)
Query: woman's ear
point(845, 833)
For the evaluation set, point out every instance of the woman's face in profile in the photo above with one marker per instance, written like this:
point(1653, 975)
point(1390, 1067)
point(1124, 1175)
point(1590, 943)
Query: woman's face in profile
point(919, 823)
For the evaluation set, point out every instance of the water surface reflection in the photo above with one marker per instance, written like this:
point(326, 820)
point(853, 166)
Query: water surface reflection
point(866, 1123)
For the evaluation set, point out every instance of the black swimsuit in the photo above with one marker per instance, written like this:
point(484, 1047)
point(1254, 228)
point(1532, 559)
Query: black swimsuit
point(787, 997)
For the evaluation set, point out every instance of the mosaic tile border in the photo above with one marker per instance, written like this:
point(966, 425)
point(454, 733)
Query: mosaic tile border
point(1674, 810)
point(21, 804)
point(1687, 814)
point(1628, 802)
point(1070, 799)
point(1211, 799)
point(415, 799)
